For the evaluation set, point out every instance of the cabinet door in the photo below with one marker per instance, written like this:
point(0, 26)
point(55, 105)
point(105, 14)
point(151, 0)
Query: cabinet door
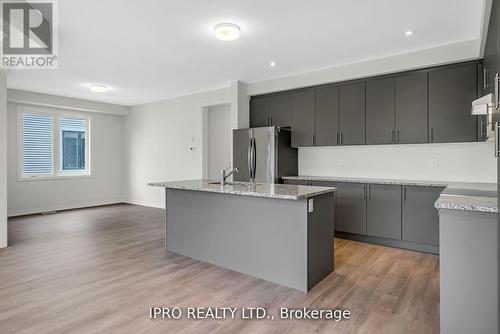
point(420, 218)
point(352, 113)
point(279, 110)
point(380, 111)
point(451, 91)
point(327, 115)
point(259, 112)
point(383, 211)
point(351, 208)
point(411, 108)
point(303, 119)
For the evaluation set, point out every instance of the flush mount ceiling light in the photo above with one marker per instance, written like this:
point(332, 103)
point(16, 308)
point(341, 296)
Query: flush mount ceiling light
point(99, 88)
point(409, 32)
point(272, 64)
point(227, 32)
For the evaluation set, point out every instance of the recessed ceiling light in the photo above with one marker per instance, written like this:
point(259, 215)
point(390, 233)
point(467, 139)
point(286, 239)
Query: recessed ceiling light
point(99, 88)
point(409, 32)
point(272, 64)
point(227, 32)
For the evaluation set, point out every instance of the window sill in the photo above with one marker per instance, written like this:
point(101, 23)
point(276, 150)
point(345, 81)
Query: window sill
point(54, 177)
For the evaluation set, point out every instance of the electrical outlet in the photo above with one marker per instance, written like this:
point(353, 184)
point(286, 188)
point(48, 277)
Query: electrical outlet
point(434, 163)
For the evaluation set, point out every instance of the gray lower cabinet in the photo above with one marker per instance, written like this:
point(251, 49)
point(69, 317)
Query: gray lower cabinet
point(451, 90)
point(383, 211)
point(303, 104)
point(352, 113)
point(259, 115)
point(380, 111)
point(420, 220)
point(351, 208)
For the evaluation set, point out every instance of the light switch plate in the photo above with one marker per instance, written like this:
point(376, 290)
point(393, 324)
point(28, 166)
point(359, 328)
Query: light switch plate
point(310, 204)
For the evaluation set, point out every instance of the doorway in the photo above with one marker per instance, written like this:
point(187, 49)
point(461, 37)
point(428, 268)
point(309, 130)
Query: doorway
point(218, 140)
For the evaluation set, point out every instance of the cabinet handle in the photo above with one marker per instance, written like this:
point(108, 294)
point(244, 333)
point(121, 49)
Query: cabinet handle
point(270, 121)
point(369, 192)
point(485, 78)
point(341, 138)
point(397, 135)
point(432, 135)
point(337, 141)
point(391, 136)
point(314, 139)
point(404, 194)
point(364, 192)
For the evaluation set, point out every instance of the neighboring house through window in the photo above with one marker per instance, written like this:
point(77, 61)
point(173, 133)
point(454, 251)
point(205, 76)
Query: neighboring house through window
point(52, 143)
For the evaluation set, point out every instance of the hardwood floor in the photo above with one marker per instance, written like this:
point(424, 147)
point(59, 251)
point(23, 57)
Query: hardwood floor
point(99, 270)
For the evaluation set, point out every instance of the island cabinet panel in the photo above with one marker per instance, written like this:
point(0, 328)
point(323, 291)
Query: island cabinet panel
point(411, 97)
point(383, 207)
point(303, 105)
point(380, 111)
point(327, 116)
point(451, 91)
point(259, 115)
point(279, 110)
point(420, 221)
point(352, 113)
point(351, 208)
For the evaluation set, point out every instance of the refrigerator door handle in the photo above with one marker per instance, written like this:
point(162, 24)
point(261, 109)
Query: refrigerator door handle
point(252, 160)
point(497, 141)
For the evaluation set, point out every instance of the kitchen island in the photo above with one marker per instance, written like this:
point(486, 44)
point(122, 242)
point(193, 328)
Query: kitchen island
point(280, 233)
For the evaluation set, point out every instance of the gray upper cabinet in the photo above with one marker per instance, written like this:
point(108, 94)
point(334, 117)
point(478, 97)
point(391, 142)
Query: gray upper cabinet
point(259, 115)
point(350, 208)
point(451, 91)
point(380, 111)
point(411, 97)
point(279, 110)
point(303, 118)
point(352, 113)
point(327, 116)
point(383, 211)
point(420, 219)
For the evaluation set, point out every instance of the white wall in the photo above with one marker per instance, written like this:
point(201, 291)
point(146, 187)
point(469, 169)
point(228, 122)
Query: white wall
point(447, 162)
point(3, 161)
point(219, 139)
point(105, 185)
point(158, 137)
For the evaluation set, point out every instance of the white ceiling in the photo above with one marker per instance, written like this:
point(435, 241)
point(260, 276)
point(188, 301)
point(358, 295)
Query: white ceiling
point(150, 50)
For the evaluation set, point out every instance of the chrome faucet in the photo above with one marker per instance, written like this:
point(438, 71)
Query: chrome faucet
point(224, 176)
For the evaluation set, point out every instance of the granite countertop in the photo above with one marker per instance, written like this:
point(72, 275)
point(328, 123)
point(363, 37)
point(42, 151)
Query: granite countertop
point(463, 196)
point(269, 190)
point(475, 197)
point(369, 180)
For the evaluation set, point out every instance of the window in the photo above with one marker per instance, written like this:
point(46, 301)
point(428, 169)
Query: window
point(52, 144)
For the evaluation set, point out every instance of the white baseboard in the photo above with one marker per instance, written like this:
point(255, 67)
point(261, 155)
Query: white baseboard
point(80, 205)
point(151, 205)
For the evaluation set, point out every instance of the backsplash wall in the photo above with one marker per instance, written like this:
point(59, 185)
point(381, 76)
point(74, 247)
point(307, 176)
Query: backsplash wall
point(471, 162)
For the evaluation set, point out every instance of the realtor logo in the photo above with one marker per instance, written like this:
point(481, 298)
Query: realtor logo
point(29, 30)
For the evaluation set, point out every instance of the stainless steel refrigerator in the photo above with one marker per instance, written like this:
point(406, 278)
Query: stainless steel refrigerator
point(263, 154)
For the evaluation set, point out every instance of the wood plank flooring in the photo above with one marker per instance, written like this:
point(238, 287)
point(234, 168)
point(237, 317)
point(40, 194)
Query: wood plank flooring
point(98, 270)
